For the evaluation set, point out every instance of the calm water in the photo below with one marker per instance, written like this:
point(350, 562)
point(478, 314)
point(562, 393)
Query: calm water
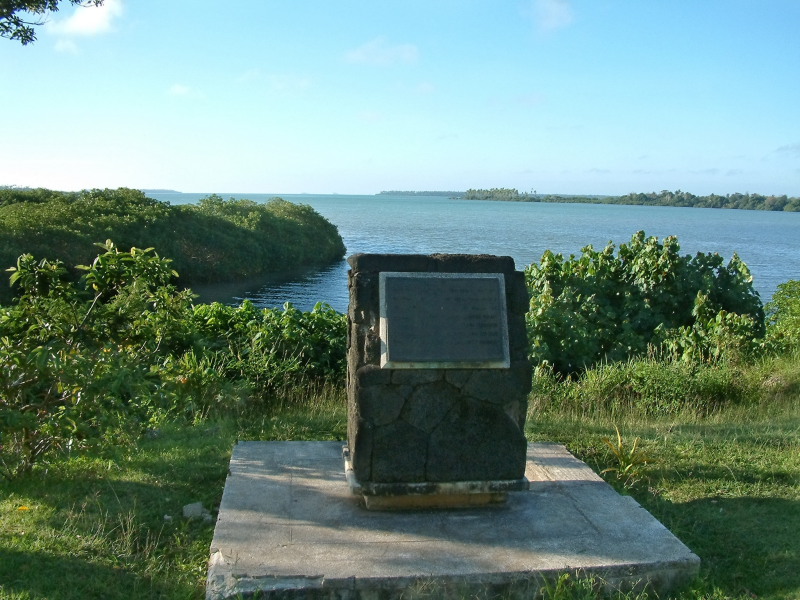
point(768, 242)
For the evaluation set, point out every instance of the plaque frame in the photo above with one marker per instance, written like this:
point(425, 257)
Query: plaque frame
point(501, 360)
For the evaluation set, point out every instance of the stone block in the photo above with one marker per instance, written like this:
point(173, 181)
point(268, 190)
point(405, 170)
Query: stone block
point(366, 263)
point(476, 442)
point(429, 404)
point(382, 405)
point(517, 290)
point(415, 377)
point(473, 263)
point(399, 453)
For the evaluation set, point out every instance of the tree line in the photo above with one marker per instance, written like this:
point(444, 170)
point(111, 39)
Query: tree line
point(747, 201)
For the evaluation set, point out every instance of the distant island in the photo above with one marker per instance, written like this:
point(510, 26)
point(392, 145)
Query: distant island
point(663, 198)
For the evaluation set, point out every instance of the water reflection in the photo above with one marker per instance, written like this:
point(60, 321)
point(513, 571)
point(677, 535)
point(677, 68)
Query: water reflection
point(303, 289)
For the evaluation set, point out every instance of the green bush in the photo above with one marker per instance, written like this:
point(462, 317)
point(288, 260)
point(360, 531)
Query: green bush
point(213, 241)
point(714, 336)
point(78, 356)
point(270, 347)
point(603, 306)
point(121, 349)
point(783, 320)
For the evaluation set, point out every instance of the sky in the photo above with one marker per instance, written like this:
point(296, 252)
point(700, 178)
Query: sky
point(356, 97)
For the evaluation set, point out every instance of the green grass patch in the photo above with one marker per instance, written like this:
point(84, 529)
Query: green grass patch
point(727, 483)
point(110, 525)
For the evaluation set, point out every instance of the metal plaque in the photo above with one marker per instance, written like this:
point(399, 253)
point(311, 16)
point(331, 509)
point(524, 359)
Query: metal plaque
point(443, 320)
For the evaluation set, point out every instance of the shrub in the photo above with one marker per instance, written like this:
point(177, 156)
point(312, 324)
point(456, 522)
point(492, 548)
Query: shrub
point(215, 240)
point(78, 356)
point(783, 320)
point(121, 349)
point(713, 337)
point(272, 347)
point(604, 306)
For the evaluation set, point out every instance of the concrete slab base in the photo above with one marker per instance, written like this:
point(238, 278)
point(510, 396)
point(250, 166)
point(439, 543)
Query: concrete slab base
point(420, 496)
point(288, 527)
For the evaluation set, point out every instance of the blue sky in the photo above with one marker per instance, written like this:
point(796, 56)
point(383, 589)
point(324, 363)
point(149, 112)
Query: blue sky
point(262, 96)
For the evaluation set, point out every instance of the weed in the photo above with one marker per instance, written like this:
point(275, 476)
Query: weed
point(630, 460)
point(568, 587)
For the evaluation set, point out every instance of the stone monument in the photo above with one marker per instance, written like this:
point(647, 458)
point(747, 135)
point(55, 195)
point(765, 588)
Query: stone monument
point(437, 386)
point(438, 379)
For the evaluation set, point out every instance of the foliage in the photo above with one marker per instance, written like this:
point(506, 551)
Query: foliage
point(713, 336)
point(214, 241)
point(783, 316)
point(630, 461)
point(501, 194)
point(732, 201)
point(270, 348)
point(570, 586)
point(122, 349)
point(14, 26)
point(220, 240)
point(604, 306)
point(77, 356)
point(648, 385)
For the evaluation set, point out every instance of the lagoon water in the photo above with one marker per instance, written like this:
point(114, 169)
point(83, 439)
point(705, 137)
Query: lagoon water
point(768, 242)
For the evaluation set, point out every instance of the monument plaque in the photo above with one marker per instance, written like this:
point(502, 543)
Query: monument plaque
point(443, 321)
point(437, 380)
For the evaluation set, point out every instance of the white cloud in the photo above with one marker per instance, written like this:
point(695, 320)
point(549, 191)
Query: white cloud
point(552, 14)
point(90, 20)
point(380, 52)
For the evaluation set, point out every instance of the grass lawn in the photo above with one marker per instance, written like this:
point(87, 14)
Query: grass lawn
point(728, 486)
point(111, 526)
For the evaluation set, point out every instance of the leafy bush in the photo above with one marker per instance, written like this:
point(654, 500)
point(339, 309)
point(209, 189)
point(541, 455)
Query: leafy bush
point(783, 320)
point(604, 306)
point(103, 358)
point(269, 347)
point(224, 240)
point(77, 356)
point(714, 336)
point(213, 241)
